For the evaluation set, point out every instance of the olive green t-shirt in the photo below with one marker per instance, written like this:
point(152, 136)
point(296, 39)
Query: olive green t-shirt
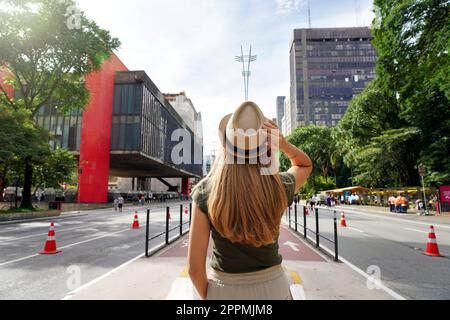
point(241, 258)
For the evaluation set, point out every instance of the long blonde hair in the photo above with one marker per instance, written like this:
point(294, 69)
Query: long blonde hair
point(245, 206)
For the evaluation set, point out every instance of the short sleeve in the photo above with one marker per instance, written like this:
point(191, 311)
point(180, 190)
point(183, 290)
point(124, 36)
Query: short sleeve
point(200, 195)
point(288, 181)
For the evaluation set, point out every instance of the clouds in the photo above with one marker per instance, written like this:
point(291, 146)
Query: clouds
point(288, 6)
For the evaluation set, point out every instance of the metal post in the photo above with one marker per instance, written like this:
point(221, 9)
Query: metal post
point(305, 235)
point(424, 195)
point(190, 214)
point(167, 225)
point(147, 231)
point(317, 228)
point(336, 246)
point(295, 208)
point(181, 220)
point(290, 217)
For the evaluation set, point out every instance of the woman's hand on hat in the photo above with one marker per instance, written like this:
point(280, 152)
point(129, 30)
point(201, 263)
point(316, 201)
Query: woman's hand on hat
point(274, 136)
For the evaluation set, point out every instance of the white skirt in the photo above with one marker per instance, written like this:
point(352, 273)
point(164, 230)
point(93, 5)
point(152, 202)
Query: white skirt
point(268, 284)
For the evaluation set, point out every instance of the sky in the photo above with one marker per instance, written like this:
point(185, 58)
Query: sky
point(190, 45)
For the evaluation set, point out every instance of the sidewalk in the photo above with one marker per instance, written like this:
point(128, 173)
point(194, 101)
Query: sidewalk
point(164, 276)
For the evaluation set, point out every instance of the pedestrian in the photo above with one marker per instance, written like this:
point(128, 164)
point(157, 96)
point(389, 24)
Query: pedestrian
point(120, 202)
point(333, 201)
point(329, 202)
point(116, 204)
point(391, 201)
point(403, 204)
point(397, 203)
point(243, 214)
point(342, 199)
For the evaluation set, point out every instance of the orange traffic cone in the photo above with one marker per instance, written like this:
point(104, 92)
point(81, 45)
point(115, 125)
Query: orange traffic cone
point(432, 247)
point(136, 222)
point(343, 222)
point(50, 244)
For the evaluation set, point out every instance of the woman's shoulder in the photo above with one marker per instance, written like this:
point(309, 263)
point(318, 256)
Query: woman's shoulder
point(288, 181)
point(200, 194)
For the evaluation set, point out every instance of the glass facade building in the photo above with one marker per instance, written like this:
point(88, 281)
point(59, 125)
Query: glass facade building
point(329, 67)
point(143, 124)
point(65, 129)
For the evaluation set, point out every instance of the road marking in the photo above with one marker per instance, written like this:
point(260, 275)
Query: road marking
point(38, 235)
point(73, 292)
point(291, 245)
point(389, 291)
point(356, 229)
point(64, 247)
point(374, 215)
point(421, 231)
point(296, 277)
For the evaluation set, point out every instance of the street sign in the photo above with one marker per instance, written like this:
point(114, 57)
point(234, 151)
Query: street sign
point(422, 170)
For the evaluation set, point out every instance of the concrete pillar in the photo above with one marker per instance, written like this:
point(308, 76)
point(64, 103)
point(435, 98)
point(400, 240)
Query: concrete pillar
point(185, 186)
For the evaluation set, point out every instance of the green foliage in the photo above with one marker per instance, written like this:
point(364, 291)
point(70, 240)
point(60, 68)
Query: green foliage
point(412, 38)
point(385, 161)
point(317, 142)
point(55, 169)
point(403, 117)
point(45, 56)
point(315, 185)
point(48, 59)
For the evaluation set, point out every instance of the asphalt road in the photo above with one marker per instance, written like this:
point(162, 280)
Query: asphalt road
point(393, 244)
point(92, 245)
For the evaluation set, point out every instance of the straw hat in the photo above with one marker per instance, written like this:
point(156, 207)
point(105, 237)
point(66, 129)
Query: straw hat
point(240, 133)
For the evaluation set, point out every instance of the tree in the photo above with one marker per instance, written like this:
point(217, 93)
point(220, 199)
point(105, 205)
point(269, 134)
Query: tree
point(388, 159)
point(55, 169)
point(318, 144)
point(47, 58)
point(20, 138)
point(403, 117)
point(412, 38)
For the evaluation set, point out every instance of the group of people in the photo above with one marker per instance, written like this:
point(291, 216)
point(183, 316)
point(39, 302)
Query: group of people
point(118, 203)
point(398, 204)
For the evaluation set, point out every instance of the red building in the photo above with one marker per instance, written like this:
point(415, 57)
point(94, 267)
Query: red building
point(124, 131)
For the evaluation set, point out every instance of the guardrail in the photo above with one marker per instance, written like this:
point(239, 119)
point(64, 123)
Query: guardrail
point(167, 230)
point(315, 232)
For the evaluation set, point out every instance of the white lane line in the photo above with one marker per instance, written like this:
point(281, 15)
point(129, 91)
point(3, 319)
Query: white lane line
point(421, 231)
point(372, 215)
point(4, 241)
point(389, 291)
point(72, 293)
point(65, 247)
point(17, 260)
point(355, 229)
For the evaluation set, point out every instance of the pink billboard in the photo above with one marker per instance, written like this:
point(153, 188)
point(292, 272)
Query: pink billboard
point(445, 194)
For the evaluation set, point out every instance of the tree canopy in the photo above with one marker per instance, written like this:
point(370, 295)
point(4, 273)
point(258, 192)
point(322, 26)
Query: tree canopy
point(47, 47)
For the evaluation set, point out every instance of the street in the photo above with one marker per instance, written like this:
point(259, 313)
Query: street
point(92, 244)
point(395, 245)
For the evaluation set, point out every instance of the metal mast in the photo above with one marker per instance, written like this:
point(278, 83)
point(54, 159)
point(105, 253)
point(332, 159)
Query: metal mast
point(246, 73)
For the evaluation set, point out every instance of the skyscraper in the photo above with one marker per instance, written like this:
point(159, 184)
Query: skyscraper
point(280, 110)
point(329, 66)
